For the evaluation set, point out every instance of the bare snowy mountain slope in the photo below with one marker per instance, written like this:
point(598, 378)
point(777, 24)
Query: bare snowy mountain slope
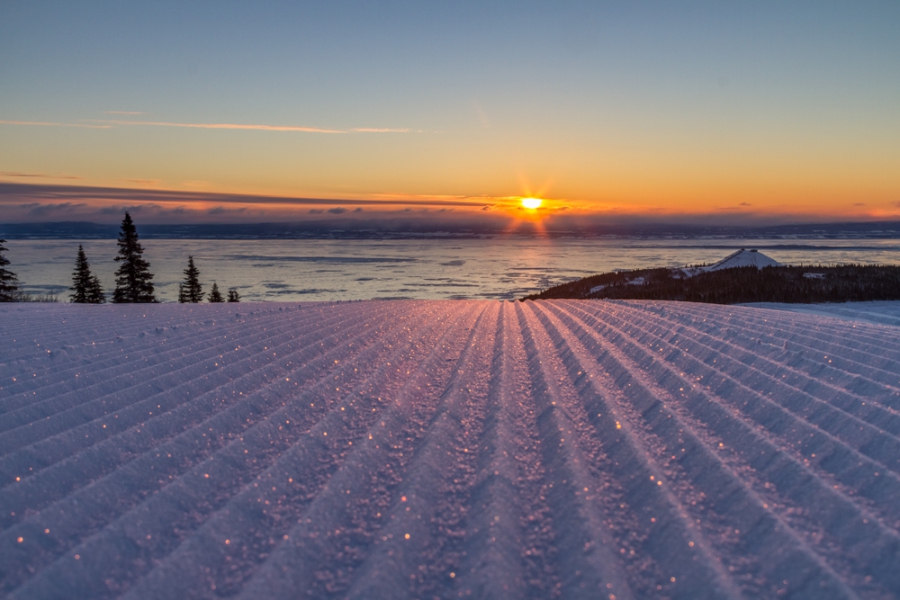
point(735, 260)
point(416, 449)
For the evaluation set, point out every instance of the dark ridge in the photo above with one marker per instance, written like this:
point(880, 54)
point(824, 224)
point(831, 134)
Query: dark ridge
point(789, 284)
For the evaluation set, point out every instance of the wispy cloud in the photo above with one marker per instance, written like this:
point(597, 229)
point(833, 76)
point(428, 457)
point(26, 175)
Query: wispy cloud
point(20, 174)
point(54, 124)
point(378, 130)
point(124, 112)
point(241, 126)
point(111, 123)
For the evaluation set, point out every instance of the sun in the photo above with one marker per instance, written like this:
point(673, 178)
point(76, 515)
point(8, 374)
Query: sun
point(532, 203)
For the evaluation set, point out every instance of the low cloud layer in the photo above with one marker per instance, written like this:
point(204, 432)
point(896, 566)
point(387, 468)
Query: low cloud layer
point(46, 203)
point(22, 202)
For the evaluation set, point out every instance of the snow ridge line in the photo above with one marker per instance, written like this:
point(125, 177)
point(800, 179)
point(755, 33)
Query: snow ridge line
point(81, 319)
point(856, 454)
point(587, 564)
point(810, 398)
point(685, 566)
point(419, 552)
point(79, 407)
point(112, 337)
point(141, 436)
point(185, 451)
point(55, 439)
point(815, 461)
point(265, 515)
point(102, 374)
point(806, 331)
point(334, 540)
point(881, 367)
point(267, 438)
point(508, 523)
point(583, 449)
point(782, 471)
point(778, 477)
point(717, 491)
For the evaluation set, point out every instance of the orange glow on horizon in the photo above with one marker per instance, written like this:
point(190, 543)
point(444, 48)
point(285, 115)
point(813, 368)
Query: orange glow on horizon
point(224, 201)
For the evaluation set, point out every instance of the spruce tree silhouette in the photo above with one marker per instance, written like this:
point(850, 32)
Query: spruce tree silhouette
point(86, 287)
point(233, 295)
point(95, 292)
point(8, 279)
point(190, 289)
point(215, 295)
point(133, 279)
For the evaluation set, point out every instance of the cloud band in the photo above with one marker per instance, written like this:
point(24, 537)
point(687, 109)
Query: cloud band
point(112, 123)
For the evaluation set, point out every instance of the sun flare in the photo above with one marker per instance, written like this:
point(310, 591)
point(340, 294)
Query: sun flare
point(532, 203)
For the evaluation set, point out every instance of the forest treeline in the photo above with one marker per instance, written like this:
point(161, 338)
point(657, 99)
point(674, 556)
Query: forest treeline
point(789, 284)
point(134, 281)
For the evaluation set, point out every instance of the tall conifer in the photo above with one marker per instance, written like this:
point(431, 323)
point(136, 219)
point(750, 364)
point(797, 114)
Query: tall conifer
point(8, 279)
point(86, 287)
point(190, 289)
point(133, 279)
point(233, 295)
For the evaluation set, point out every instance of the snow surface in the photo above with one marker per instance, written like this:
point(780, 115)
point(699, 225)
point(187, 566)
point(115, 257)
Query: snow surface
point(884, 312)
point(416, 449)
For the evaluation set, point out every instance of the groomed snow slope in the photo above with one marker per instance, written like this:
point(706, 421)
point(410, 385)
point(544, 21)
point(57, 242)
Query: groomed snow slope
point(580, 449)
point(883, 312)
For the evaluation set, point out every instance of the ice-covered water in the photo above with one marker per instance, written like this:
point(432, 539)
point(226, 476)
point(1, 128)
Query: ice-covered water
point(328, 270)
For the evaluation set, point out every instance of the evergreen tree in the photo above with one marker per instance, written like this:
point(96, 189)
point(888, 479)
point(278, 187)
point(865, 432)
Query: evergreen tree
point(233, 295)
point(133, 279)
point(8, 279)
point(86, 287)
point(95, 292)
point(190, 290)
point(215, 295)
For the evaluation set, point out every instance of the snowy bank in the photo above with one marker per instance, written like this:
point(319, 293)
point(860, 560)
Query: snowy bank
point(413, 449)
point(885, 312)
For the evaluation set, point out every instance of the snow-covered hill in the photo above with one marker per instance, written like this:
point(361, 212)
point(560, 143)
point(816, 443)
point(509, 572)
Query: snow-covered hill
point(735, 260)
point(576, 449)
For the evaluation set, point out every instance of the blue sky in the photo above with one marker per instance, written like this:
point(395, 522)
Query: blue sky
point(621, 107)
